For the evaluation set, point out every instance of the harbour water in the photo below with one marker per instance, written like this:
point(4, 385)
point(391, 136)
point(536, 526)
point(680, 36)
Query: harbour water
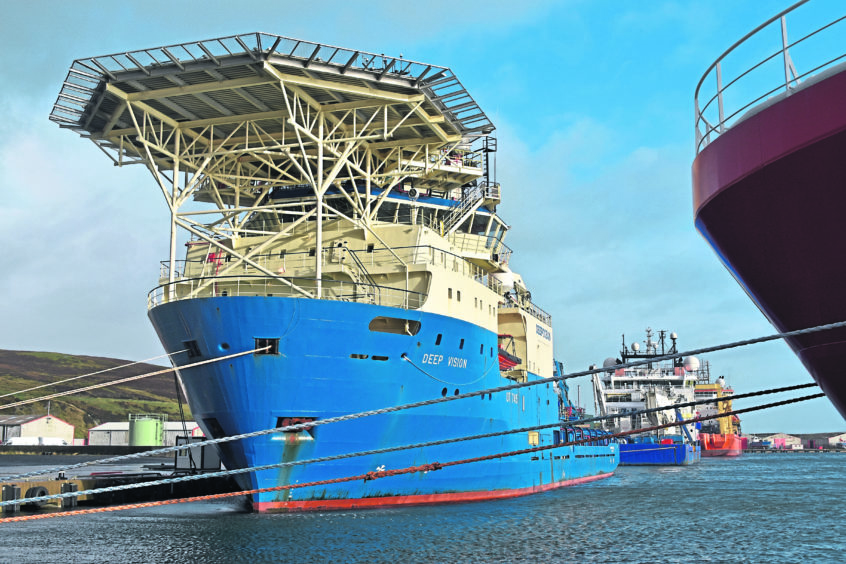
point(756, 508)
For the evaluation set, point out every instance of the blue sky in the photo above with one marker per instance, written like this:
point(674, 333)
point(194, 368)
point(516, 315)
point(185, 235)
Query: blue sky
point(593, 103)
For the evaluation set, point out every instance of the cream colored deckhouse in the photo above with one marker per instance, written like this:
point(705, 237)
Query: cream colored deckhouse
point(307, 170)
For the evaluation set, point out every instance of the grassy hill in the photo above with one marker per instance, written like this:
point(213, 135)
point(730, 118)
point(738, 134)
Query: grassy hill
point(21, 370)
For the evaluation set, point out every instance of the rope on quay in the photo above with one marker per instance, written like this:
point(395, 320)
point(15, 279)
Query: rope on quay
point(224, 473)
point(368, 476)
point(90, 374)
point(124, 380)
point(351, 416)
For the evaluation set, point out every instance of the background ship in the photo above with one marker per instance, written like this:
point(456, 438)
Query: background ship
point(768, 177)
point(627, 391)
point(719, 436)
point(341, 207)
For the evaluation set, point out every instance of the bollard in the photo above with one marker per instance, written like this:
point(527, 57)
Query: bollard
point(11, 492)
point(68, 487)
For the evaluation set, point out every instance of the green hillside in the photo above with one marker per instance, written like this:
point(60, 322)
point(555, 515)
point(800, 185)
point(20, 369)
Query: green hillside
point(21, 370)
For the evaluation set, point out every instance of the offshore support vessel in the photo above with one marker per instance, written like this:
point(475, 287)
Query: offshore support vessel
point(719, 436)
point(340, 208)
point(769, 174)
point(621, 394)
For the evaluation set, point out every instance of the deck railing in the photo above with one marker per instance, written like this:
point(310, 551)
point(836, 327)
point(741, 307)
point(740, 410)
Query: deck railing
point(723, 98)
point(225, 286)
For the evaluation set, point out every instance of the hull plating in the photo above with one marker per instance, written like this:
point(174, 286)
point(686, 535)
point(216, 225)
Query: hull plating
point(331, 363)
point(768, 196)
point(643, 454)
point(720, 445)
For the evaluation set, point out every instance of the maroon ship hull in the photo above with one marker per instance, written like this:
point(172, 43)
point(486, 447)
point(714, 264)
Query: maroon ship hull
point(770, 197)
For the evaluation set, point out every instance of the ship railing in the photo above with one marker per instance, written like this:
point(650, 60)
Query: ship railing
point(264, 286)
point(371, 259)
point(529, 308)
point(727, 98)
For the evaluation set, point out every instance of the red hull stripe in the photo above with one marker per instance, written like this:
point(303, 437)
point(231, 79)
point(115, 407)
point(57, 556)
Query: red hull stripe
point(374, 502)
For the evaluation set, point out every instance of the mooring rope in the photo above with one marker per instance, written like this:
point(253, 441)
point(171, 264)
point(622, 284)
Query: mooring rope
point(124, 380)
point(520, 385)
point(368, 476)
point(90, 374)
point(417, 445)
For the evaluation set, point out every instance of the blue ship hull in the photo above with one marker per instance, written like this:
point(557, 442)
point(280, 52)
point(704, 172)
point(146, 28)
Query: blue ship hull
point(645, 454)
point(329, 361)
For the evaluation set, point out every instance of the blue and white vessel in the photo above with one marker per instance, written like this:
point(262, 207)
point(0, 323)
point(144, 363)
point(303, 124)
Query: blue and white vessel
point(623, 394)
point(338, 210)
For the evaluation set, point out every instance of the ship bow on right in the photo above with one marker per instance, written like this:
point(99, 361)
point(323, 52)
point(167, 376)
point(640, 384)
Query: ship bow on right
point(769, 178)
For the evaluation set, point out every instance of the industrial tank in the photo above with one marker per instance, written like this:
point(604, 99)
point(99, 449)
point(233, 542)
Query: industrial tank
point(146, 429)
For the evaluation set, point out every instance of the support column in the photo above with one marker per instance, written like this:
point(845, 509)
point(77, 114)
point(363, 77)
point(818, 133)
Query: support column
point(320, 189)
point(173, 209)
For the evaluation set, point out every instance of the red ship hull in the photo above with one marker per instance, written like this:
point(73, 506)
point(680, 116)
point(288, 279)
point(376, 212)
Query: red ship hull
point(714, 444)
point(769, 196)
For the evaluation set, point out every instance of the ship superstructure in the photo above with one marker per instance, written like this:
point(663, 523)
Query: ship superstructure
point(341, 216)
point(622, 394)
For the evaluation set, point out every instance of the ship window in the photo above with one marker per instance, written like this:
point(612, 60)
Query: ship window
point(458, 295)
point(449, 293)
point(394, 325)
point(193, 348)
point(438, 339)
point(456, 392)
point(556, 436)
point(370, 248)
point(282, 254)
point(312, 252)
point(444, 392)
point(377, 357)
point(269, 346)
point(482, 348)
point(359, 356)
point(461, 344)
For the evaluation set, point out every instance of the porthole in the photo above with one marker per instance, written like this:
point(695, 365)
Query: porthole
point(377, 357)
point(438, 339)
point(461, 344)
point(444, 392)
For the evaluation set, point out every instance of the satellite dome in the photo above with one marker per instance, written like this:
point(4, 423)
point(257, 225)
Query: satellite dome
point(609, 362)
point(635, 347)
point(673, 335)
point(691, 364)
point(505, 278)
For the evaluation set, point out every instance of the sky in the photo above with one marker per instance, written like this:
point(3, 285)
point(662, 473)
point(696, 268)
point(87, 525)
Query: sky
point(593, 105)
